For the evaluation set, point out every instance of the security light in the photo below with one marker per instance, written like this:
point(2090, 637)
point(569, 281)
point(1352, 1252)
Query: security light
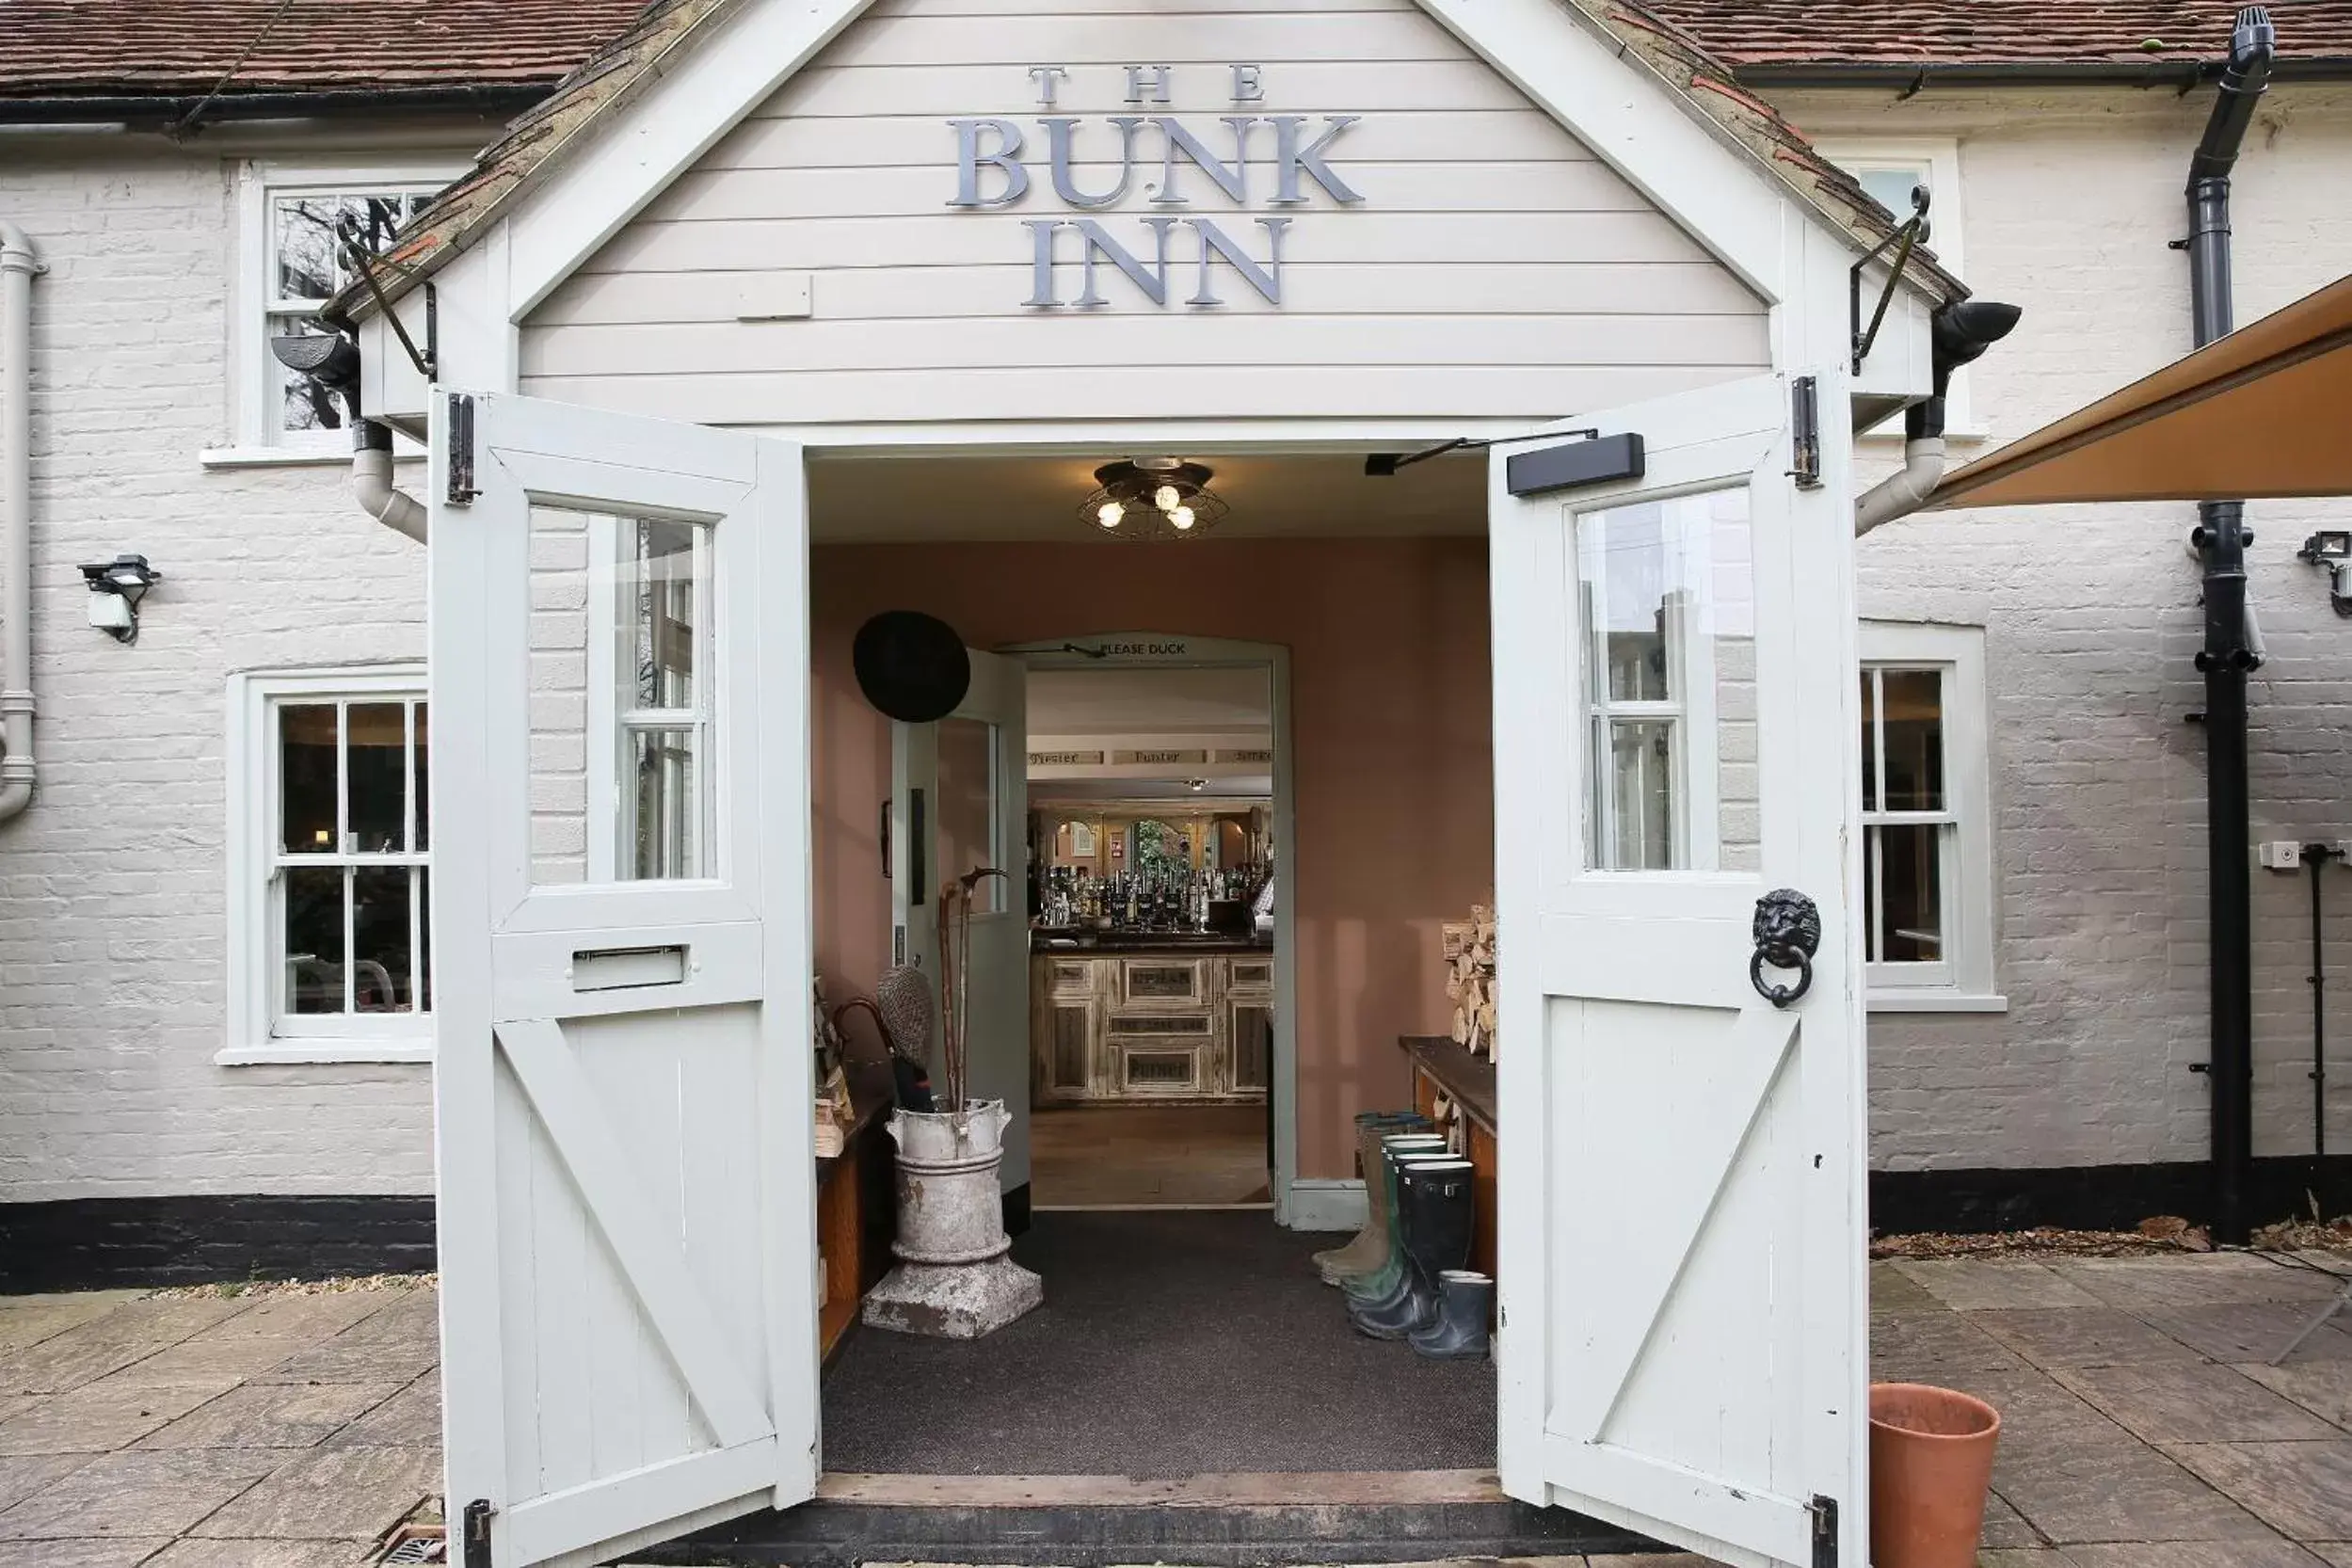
point(116, 588)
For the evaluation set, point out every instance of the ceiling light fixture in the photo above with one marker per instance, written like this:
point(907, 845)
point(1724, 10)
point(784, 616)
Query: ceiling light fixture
point(1153, 498)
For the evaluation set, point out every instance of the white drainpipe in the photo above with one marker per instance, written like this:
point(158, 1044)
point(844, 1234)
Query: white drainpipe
point(371, 485)
point(1905, 490)
point(18, 263)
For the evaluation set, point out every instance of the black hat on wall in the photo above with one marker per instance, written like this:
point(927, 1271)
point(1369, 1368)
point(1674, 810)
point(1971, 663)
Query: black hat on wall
point(911, 666)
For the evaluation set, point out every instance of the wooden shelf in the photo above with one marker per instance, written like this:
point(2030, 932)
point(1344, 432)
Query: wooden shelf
point(1441, 1066)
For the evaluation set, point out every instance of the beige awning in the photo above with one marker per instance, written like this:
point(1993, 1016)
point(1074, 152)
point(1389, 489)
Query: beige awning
point(2263, 412)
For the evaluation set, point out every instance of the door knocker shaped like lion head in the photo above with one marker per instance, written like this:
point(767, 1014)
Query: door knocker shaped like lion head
point(1787, 933)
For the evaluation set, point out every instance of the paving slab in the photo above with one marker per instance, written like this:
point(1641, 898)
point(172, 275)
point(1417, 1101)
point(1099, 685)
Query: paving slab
point(2210, 1279)
point(264, 1554)
point(2322, 1387)
point(330, 1493)
point(130, 1332)
point(1975, 1283)
point(1935, 1349)
point(135, 1493)
point(2249, 1331)
point(2004, 1527)
point(1895, 1294)
point(2022, 1557)
point(401, 1340)
point(2194, 1401)
point(2192, 1554)
point(28, 1320)
point(2304, 1489)
point(2337, 1554)
point(107, 1553)
point(409, 1420)
point(102, 1416)
point(2092, 1336)
point(272, 1415)
point(21, 1475)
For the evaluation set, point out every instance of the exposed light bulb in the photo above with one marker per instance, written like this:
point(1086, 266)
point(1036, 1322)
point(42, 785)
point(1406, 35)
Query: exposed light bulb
point(1181, 518)
point(1167, 498)
point(1110, 513)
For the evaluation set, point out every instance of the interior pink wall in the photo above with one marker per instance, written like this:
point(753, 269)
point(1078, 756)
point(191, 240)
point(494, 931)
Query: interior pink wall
point(1391, 751)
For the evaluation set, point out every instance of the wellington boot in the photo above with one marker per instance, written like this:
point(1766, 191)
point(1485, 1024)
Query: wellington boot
point(1395, 1147)
point(1465, 1303)
point(1365, 1251)
point(1436, 1210)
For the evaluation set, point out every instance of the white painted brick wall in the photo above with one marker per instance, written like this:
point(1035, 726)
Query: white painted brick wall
point(2098, 779)
point(113, 952)
point(112, 939)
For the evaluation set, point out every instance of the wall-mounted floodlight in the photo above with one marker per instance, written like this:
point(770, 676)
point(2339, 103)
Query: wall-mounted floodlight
point(116, 588)
point(2332, 548)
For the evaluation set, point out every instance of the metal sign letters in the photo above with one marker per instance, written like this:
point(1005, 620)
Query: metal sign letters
point(1177, 161)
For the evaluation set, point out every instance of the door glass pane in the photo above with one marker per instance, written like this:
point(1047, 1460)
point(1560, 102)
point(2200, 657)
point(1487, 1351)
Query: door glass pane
point(658, 608)
point(375, 777)
point(665, 784)
point(1907, 894)
point(967, 809)
point(425, 819)
point(620, 704)
point(314, 950)
point(307, 736)
point(1667, 590)
point(381, 977)
point(1914, 740)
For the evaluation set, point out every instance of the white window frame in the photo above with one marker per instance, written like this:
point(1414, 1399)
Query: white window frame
point(254, 388)
point(1940, 156)
point(1963, 982)
point(256, 1036)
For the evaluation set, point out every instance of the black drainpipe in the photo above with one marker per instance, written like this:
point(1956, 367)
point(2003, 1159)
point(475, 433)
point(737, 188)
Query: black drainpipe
point(2220, 538)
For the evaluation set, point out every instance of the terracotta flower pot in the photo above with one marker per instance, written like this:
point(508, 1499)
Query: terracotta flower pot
point(1930, 1462)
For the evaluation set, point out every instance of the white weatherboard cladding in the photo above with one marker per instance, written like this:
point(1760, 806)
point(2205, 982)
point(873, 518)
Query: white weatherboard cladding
point(1494, 267)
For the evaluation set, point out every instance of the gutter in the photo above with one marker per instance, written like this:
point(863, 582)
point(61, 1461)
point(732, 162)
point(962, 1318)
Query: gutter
point(2229, 653)
point(333, 363)
point(154, 112)
point(2182, 76)
point(19, 264)
point(1958, 333)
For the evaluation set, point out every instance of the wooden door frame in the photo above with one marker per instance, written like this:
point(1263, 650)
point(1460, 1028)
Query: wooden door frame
point(1302, 1205)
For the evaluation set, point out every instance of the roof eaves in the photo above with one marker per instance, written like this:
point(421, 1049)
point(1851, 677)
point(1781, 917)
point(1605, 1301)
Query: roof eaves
point(534, 142)
point(1755, 127)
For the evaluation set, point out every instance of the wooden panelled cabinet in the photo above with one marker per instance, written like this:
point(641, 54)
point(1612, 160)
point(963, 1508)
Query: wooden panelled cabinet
point(1184, 1026)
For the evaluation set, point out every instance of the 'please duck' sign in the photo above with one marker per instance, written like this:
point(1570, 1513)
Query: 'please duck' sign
point(1168, 163)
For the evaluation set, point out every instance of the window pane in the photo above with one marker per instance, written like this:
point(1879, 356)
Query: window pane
point(1914, 740)
point(1892, 187)
point(665, 829)
point(375, 777)
point(306, 778)
point(380, 978)
point(968, 809)
point(1642, 796)
point(1908, 893)
point(306, 246)
point(660, 587)
point(1669, 604)
point(1869, 740)
point(314, 952)
point(424, 820)
point(425, 933)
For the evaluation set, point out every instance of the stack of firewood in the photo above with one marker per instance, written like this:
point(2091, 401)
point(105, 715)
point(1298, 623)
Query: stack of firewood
point(1469, 947)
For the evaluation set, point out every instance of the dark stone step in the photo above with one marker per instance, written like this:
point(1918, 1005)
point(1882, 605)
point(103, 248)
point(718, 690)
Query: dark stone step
point(1060, 1526)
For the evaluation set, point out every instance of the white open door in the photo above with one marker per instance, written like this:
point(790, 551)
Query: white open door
point(622, 1094)
point(959, 798)
point(1682, 1199)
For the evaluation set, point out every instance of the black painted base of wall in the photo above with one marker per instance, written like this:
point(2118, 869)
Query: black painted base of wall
point(95, 1244)
point(2098, 1197)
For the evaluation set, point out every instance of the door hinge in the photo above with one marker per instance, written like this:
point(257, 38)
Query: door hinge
point(1824, 1531)
point(1804, 440)
point(477, 1533)
point(459, 437)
